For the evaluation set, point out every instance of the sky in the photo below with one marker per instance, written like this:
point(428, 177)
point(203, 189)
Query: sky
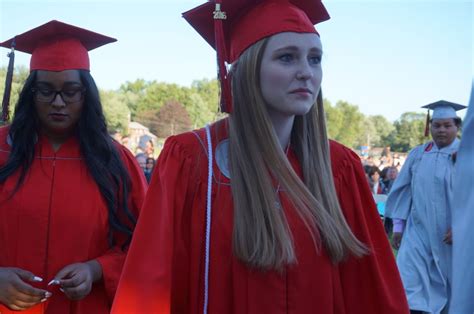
point(385, 56)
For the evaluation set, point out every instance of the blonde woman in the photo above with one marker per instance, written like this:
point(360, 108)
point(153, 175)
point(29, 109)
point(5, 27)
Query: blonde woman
point(260, 213)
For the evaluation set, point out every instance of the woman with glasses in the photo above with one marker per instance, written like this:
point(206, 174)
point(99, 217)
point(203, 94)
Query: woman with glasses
point(69, 194)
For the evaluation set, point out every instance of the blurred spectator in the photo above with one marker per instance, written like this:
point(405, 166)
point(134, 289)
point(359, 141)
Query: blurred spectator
point(373, 175)
point(386, 160)
point(376, 187)
point(141, 159)
point(150, 165)
point(146, 146)
point(388, 177)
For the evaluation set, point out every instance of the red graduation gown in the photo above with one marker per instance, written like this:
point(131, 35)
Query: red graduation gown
point(164, 270)
point(57, 218)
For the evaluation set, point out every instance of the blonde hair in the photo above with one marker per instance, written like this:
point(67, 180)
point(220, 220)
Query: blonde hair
point(261, 236)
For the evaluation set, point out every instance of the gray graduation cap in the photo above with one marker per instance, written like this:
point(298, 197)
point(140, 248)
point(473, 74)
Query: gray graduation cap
point(444, 109)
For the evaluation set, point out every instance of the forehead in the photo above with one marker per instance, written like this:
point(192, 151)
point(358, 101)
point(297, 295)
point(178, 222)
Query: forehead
point(303, 41)
point(58, 77)
point(444, 121)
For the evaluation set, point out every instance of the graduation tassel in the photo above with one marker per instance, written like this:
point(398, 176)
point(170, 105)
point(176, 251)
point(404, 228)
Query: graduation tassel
point(427, 125)
point(223, 75)
point(8, 84)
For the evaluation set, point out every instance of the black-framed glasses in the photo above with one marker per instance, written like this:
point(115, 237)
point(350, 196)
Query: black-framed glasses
point(68, 95)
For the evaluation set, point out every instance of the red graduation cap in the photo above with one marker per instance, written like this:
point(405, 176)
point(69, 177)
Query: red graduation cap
point(54, 46)
point(231, 26)
point(57, 46)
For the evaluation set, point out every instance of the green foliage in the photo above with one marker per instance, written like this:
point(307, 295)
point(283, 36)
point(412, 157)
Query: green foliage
point(368, 136)
point(20, 74)
point(115, 110)
point(345, 123)
point(200, 100)
point(408, 133)
point(173, 119)
point(376, 130)
point(149, 118)
point(168, 108)
point(207, 111)
point(383, 128)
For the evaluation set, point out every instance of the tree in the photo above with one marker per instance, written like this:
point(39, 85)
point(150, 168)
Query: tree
point(204, 107)
point(20, 74)
point(116, 111)
point(368, 135)
point(149, 118)
point(170, 119)
point(173, 119)
point(157, 94)
point(333, 119)
point(134, 92)
point(408, 132)
point(345, 123)
point(381, 130)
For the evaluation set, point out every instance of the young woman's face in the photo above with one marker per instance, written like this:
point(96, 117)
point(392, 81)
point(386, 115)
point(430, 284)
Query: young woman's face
point(443, 131)
point(150, 163)
point(58, 113)
point(375, 176)
point(290, 73)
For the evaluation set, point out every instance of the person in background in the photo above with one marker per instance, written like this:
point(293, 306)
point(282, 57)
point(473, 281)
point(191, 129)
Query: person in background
point(389, 178)
point(141, 160)
point(260, 212)
point(463, 219)
point(149, 166)
point(389, 175)
point(373, 174)
point(69, 194)
point(386, 159)
point(145, 146)
point(419, 204)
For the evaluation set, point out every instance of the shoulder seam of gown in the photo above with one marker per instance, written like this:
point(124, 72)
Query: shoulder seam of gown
point(343, 161)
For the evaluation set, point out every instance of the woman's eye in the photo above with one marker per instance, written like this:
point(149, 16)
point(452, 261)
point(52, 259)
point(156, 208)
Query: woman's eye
point(71, 92)
point(286, 57)
point(315, 60)
point(46, 92)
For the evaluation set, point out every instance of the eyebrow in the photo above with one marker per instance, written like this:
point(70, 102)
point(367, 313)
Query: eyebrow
point(295, 48)
point(65, 83)
point(443, 123)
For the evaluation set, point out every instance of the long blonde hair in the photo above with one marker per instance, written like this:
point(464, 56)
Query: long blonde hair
point(261, 235)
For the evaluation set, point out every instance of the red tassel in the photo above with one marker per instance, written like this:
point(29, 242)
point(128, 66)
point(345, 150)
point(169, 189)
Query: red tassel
point(427, 125)
point(223, 75)
point(8, 85)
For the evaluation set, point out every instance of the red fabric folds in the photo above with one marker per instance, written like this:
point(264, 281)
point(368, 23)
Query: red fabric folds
point(164, 270)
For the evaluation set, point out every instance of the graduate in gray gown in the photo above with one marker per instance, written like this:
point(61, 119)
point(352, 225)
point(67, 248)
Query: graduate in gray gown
point(419, 204)
point(463, 220)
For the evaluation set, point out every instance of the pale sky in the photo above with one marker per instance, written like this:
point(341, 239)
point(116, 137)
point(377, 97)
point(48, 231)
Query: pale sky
point(387, 57)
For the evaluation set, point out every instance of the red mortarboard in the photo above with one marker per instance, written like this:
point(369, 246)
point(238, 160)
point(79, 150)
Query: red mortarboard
point(231, 26)
point(57, 46)
point(54, 46)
